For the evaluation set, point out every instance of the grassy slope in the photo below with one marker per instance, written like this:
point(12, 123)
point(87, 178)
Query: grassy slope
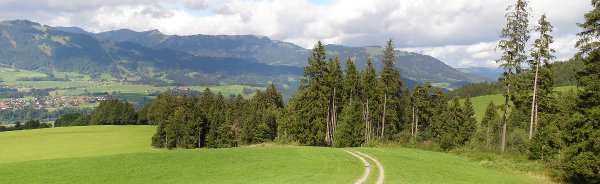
point(480, 103)
point(239, 165)
point(68, 142)
point(122, 154)
point(407, 165)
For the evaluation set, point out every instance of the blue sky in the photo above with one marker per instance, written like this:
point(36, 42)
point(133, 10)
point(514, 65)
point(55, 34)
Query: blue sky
point(461, 33)
point(320, 2)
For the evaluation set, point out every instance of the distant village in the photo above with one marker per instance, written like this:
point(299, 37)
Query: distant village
point(76, 100)
point(52, 102)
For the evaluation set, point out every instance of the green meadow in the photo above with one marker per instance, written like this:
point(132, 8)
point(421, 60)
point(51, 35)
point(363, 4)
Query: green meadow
point(480, 103)
point(122, 154)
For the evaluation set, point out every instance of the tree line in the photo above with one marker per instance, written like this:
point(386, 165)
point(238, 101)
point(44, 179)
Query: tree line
point(31, 124)
point(346, 107)
point(213, 121)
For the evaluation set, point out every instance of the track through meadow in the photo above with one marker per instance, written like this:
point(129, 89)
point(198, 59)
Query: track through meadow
point(365, 176)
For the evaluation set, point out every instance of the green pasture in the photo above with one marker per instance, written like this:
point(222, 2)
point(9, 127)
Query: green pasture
point(122, 154)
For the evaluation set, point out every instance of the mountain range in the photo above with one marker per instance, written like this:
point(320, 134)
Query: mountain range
point(154, 57)
point(489, 73)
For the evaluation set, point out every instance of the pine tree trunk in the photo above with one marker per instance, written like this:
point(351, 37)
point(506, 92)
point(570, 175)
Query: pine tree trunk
point(536, 118)
point(328, 126)
point(534, 102)
point(200, 139)
point(366, 119)
point(412, 123)
point(416, 125)
point(368, 123)
point(505, 116)
point(333, 119)
point(383, 118)
point(487, 136)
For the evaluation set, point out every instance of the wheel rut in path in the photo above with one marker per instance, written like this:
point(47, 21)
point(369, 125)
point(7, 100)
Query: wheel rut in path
point(365, 175)
point(379, 166)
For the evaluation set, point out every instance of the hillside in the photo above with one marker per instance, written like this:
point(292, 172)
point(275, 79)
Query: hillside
point(488, 73)
point(31, 46)
point(414, 67)
point(122, 154)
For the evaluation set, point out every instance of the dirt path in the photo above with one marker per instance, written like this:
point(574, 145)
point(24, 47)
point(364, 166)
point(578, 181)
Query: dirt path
point(362, 179)
point(381, 172)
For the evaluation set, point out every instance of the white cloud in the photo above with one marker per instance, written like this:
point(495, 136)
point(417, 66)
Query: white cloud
point(479, 54)
point(459, 32)
point(485, 54)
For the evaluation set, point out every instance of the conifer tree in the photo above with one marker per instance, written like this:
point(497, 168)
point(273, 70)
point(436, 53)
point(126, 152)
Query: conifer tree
point(420, 100)
point(391, 85)
point(236, 117)
point(334, 95)
point(467, 126)
point(542, 54)
point(490, 125)
point(174, 128)
point(581, 161)
point(351, 83)
point(450, 131)
point(514, 37)
point(311, 103)
point(370, 98)
point(350, 130)
point(216, 137)
point(202, 109)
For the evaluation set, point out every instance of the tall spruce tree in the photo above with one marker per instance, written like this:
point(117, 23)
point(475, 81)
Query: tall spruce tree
point(420, 100)
point(391, 85)
point(490, 125)
point(350, 130)
point(159, 112)
point(351, 83)
point(309, 106)
point(581, 161)
point(514, 37)
point(541, 54)
point(469, 123)
point(334, 94)
point(370, 98)
point(203, 109)
point(216, 137)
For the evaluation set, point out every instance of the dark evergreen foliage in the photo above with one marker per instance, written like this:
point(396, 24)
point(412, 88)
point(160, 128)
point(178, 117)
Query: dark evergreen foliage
point(214, 121)
point(581, 161)
point(114, 112)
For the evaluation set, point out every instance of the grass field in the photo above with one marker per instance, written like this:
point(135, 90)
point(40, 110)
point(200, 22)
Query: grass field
point(68, 142)
point(122, 154)
point(480, 103)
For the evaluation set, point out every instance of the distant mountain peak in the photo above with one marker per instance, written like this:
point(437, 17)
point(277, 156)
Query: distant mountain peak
point(22, 22)
point(154, 32)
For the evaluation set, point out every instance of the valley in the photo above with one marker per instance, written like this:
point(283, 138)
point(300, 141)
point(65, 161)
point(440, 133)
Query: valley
point(303, 91)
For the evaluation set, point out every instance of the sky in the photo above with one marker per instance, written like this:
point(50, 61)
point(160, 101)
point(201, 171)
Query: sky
point(461, 33)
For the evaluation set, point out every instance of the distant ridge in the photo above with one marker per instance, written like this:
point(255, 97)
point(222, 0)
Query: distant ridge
point(257, 58)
